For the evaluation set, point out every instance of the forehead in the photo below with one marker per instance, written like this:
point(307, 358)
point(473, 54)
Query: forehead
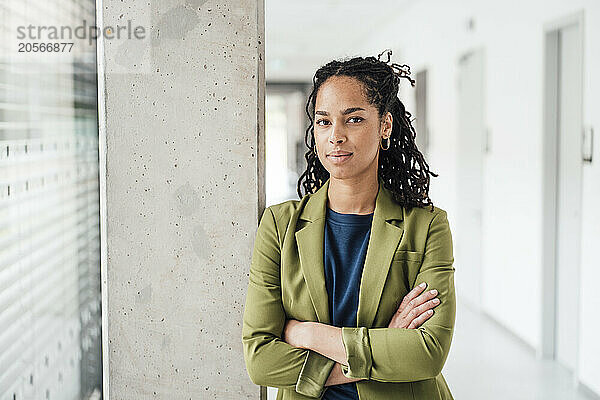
point(340, 92)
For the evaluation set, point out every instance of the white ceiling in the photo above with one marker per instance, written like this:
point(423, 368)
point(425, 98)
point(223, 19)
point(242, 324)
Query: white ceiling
point(303, 35)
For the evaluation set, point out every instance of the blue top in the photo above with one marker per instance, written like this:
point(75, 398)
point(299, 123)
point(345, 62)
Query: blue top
point(346, 241)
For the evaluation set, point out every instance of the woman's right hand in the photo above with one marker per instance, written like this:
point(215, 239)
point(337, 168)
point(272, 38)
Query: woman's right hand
point(416, 308)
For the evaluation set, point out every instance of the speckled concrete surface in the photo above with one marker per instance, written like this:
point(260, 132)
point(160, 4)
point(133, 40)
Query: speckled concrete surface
point(183, 116)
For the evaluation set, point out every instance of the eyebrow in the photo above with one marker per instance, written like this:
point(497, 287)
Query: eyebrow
point(345, 112)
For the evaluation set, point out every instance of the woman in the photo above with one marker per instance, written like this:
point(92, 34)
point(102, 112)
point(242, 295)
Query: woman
point(334, 309)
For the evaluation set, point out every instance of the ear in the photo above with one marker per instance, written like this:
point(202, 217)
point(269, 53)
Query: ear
point(386, 125)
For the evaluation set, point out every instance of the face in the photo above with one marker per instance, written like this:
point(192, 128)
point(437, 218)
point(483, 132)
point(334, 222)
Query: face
point(348, 129)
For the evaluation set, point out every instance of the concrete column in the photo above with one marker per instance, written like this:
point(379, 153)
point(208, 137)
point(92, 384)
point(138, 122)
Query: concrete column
point(181, 133)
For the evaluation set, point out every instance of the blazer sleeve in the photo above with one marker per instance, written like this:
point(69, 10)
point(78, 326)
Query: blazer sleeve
point(270, 361)
point(401, 354)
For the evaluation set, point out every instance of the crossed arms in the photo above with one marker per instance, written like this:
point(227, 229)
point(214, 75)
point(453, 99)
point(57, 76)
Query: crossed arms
point(380, 354)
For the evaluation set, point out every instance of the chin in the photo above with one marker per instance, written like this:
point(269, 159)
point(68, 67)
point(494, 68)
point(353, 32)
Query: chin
point(341, 173)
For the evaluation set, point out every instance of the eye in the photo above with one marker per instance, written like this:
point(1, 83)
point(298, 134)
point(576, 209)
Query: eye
point(359, 118)
point(321, 120)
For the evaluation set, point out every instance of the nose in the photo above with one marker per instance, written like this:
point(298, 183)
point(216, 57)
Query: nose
point(336, 137)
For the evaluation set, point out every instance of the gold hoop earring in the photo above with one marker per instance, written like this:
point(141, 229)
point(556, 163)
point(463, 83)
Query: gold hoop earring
point(389, 142)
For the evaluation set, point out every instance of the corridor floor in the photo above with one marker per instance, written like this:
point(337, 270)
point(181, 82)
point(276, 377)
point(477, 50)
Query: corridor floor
point(487, 362)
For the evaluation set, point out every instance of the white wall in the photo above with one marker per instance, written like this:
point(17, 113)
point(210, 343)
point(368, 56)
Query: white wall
point(433, 34)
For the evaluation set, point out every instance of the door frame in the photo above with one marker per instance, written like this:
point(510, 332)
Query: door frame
point(550, 183)
point(475, 301)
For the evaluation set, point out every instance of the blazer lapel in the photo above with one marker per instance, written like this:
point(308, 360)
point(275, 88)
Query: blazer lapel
point(383, 241)
point(310, 240)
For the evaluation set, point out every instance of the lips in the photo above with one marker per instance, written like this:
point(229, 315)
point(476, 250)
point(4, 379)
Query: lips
point(339, 156)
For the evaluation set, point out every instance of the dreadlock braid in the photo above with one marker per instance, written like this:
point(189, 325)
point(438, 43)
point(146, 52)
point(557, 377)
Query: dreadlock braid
point(402, 167)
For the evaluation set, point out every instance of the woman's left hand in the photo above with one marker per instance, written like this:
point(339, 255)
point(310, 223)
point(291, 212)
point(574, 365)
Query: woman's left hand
point(296, 333)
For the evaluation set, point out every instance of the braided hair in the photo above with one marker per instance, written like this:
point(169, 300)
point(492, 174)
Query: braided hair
point(402, 167)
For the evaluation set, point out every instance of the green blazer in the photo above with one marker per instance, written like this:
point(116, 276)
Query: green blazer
point(287, 281)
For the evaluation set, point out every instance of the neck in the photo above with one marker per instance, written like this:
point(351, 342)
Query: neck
point(353, 195)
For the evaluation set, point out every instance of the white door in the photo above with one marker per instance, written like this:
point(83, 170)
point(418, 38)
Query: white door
point(568, 200)
point(467, 246)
